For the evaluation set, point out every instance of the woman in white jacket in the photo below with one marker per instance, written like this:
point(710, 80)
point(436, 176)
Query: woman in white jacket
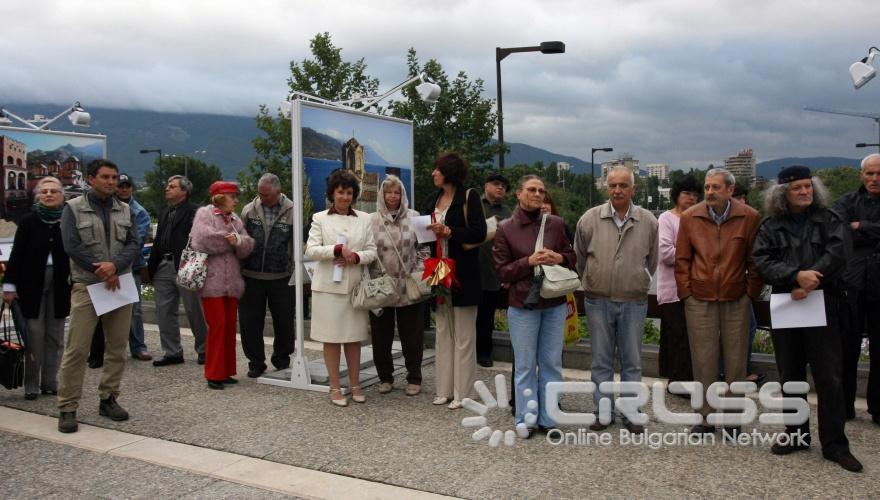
point(340, 236)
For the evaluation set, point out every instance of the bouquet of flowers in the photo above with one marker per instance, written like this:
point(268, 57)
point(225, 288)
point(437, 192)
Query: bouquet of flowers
point(440, 275)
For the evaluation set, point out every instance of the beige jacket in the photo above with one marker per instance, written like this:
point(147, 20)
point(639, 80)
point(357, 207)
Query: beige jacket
point(616, 265)
point(322, 241)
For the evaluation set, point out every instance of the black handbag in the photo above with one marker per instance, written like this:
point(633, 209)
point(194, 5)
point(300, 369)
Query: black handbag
point(12, 346)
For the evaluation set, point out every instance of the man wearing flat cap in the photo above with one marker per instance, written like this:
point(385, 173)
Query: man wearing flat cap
point(494, 191)
point(801, 250)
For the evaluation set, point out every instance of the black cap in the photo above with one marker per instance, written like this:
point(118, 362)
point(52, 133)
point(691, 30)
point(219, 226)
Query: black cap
point(793, 173)
point(496, 177)
point(124, 179)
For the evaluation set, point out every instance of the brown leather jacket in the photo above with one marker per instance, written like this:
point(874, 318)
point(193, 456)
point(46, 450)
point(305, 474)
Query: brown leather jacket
point(713, 262)
point(515, 242)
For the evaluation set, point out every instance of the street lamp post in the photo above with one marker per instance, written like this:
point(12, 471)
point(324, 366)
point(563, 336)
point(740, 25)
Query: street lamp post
point(500, 53)
point(868, 145)
point(593, 169)
point(159, 151)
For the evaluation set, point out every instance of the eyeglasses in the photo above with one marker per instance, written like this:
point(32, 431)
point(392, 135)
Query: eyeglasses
point(534, 190)
point(50, 191)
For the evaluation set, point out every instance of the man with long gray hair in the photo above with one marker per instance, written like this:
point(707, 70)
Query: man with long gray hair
point(801, 250)
point(269, 220)
point(861, 210)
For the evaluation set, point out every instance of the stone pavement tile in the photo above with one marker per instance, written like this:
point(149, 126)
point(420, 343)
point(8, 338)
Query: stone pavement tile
point(33, 468)
point(44, 427)
point(181, 456)
point(223, 489)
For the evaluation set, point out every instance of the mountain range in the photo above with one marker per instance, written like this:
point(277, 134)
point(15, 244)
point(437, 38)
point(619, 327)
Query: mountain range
point(226, 141)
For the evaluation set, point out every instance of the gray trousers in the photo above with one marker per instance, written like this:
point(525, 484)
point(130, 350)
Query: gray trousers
point(168, 297)
point(45, 343)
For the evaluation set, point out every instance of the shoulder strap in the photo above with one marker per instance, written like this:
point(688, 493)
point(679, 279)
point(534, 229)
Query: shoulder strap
point(539, 243)
point(394, 246)
point(467, 195)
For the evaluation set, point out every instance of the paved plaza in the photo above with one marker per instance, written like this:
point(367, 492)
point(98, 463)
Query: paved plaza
point(259, 441)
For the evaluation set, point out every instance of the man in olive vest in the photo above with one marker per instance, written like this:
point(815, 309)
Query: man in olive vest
point(100, 236)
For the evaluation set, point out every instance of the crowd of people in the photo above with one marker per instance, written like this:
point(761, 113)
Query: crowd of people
point(711, 252)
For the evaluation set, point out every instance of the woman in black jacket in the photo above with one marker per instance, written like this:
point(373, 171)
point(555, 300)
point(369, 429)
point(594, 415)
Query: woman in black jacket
point(458, 219)
point(38, 276)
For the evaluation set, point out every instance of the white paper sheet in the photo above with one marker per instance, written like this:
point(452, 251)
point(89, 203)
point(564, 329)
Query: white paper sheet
point(105, 300)
point(787, 313)
point(420, 226)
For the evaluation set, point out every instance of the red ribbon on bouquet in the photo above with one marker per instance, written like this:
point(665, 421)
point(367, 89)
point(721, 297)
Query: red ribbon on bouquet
point(440, 273)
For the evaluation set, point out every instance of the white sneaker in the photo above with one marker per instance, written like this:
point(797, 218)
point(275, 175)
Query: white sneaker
point(440, 400)
point(454, 405)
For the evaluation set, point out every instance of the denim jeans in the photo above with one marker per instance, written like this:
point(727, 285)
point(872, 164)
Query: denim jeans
point(136, 335)
point(613, 325)
point(537, 338)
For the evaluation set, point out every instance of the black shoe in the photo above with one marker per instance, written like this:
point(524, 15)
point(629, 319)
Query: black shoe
point(110, 408)
point(230, 380)
point(168, 360)
point(485, 362)
point(844, 459)
point(778, 449)
point(49, 392)
point(67, 422)
point(96, 363)
point(597, 426)
point(731, 433)
point(876, 418)
point(850, 413)
point(217, 386)
point(201, 359)
point(634, 428)
point(703, 429)
point(30, 396)
point(255, 372)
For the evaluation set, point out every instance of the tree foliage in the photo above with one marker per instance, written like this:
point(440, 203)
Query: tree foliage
point(839, 180)
point(325, 75)
point(200, 173)
point(461, 120)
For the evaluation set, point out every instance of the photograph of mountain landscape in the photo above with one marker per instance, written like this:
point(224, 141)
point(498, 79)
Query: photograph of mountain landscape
point(29, 155)
point(371, 146)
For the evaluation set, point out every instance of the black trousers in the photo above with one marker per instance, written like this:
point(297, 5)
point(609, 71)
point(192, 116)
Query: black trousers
point(486, 323)
point(252, 319)
point(675, 352)
point(820, 348)
point(857, 314)
point(410, 329)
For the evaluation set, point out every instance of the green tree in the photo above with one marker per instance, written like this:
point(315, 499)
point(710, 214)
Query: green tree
point(200, 173)
point(839, 180)
point(461, 120)
point(325, 75)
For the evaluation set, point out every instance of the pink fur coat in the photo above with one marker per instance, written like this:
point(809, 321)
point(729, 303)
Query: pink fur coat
point(208, 235)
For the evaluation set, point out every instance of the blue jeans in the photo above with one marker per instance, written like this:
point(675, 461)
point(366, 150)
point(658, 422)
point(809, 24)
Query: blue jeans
point(136, 334)
point(620, 325)
point(537, 338)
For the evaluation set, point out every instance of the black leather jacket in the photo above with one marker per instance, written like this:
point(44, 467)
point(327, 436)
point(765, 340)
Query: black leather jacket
point(780, 251)
point(860, 207)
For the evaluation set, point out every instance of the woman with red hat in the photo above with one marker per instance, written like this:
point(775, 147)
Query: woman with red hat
point(220, 233)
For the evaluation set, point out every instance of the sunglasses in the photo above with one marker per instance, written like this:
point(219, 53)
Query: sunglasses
point(50, 191)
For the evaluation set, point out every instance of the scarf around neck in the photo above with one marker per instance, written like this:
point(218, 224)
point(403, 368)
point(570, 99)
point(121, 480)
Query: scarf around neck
point(48, 215)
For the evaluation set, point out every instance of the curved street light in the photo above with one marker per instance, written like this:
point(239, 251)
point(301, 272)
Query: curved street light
point(593, 169)
point(555, 47)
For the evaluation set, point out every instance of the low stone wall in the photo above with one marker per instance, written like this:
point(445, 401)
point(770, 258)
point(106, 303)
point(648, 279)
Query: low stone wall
point(575, 356)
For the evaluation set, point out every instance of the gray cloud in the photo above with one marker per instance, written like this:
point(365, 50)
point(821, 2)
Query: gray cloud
point(669, 80)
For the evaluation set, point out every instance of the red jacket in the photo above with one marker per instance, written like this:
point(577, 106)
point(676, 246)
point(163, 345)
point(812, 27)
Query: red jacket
point(515, 242)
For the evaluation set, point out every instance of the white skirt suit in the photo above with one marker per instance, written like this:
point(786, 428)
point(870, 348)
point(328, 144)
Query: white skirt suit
point(334, 320)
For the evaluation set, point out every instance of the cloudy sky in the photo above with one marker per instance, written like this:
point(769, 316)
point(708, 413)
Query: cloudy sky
point(686, 82)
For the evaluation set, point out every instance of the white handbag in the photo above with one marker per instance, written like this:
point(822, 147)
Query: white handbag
point(374, 293)
point(193, 268)
point(558, 281)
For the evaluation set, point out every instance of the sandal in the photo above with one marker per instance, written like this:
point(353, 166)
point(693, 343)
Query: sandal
point(338, 402)
point(358, 398)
